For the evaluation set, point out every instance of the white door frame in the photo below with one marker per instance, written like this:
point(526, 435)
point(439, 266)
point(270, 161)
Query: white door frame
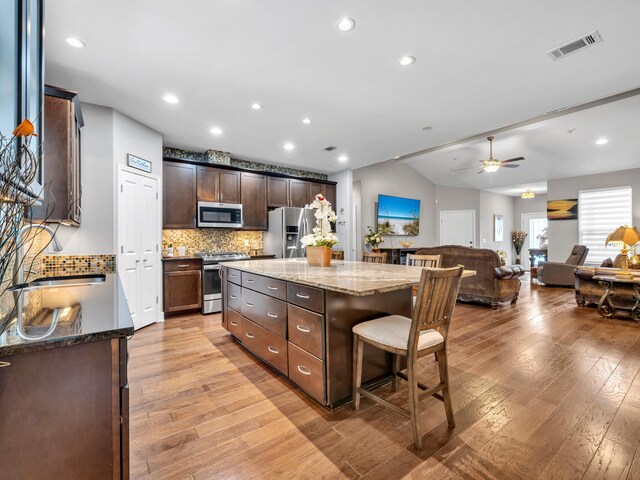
point(124, 168)
point(473, 223)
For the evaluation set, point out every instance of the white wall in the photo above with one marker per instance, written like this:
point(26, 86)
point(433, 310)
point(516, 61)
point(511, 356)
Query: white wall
point(528, 205)
point(495, 204)
point(563, 234)
point(344, 201)
point(397, 179)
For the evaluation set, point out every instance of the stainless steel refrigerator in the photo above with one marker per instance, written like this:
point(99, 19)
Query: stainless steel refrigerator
point(287, 225)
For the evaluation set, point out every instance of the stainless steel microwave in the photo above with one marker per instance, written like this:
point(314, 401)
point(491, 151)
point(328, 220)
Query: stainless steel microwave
point(219, 215)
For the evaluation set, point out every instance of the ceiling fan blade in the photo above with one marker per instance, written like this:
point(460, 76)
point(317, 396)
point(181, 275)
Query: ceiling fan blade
point(481, 171)
point(510, 166)
point(517, 159)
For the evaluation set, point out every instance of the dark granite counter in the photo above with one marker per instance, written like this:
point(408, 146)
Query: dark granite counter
point(61, 316)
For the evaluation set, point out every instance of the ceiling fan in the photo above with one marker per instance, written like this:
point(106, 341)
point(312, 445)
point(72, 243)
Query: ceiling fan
point(492, 165)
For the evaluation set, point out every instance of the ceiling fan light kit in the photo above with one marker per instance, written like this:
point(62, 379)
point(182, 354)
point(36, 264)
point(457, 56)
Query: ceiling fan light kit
point(492, 165)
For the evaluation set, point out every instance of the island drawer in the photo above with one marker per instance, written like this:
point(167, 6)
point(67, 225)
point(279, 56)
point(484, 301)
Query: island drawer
point(267, 345)
point(307, 297)
point(181, 265)
point(234, 323)
point(266, 311)
point(268, 286)
point(234, 276)
point(305, 329)
point(234, 296)
point(307, 372)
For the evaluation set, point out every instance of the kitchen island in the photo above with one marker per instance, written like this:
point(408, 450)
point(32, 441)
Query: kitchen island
point(298, 318)
point(63, 380)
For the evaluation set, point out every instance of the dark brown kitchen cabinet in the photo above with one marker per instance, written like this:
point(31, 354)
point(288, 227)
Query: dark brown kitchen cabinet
point(182, 286)
point(179, 195)
point(298, 192)
point(253, 189)
point(277, 192)
point(314, 189)
point(69, 412)
point(61, 158)
point(218, 185)
point(329, 192)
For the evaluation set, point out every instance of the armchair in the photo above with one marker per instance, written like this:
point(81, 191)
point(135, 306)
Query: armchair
point(561, 274)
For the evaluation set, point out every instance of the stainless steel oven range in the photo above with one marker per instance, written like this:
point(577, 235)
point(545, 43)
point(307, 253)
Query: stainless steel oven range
point(211, 283)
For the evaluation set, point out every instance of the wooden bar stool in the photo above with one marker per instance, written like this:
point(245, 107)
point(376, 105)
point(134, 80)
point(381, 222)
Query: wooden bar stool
point(413, 338)
point(374, 257)
point(425, 261)
point(337, 254)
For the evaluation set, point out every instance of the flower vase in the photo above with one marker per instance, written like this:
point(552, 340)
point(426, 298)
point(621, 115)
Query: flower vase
point(375, 250)
point(318, 256)
point(518, 248)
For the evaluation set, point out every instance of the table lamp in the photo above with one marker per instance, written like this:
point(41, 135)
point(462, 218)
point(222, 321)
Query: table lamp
point(628, 236)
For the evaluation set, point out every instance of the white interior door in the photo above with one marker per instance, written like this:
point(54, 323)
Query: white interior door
point(138, 255)
point(458, 227)
point(533, 224)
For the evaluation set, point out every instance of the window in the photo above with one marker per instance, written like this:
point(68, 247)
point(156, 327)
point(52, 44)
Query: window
point(600, 213)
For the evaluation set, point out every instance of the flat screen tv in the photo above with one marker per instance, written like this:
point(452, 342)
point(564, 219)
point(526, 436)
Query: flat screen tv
point(398, 215)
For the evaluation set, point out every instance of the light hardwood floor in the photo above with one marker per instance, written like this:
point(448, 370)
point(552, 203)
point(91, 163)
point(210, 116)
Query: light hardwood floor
point(541, 390)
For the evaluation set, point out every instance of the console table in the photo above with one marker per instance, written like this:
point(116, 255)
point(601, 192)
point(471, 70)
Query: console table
point(533, 254)
point(606, 306)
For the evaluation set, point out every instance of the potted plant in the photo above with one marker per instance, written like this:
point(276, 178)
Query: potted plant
point(374, 239)
point(503, 257)
point(318, 244)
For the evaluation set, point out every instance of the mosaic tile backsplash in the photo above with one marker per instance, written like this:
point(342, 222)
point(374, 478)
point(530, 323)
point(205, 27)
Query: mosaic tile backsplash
point(224, 158)
point(211, 240)
point(60, 265)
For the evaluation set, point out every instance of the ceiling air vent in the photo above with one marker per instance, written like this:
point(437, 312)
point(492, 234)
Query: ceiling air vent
point(330, 148)
point(575, 45)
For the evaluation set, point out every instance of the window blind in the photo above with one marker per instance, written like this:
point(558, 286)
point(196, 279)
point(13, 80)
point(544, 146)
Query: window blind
point(600, 212)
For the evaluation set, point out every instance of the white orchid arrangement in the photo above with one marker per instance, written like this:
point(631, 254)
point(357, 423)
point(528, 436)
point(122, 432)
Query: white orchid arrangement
point(322, 235)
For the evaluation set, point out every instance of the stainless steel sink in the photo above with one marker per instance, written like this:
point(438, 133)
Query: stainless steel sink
point(57, 282)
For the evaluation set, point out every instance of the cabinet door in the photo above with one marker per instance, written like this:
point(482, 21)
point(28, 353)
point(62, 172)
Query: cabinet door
point(253, 191)
point(329, 192)
point(277, 192)
point(298, 192)
point(229, 186)
point(179, 195)
point(182, 291)
point(208, 186)
point(315, 189)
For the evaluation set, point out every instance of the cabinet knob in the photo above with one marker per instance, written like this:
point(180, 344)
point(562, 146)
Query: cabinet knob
point(4, 364)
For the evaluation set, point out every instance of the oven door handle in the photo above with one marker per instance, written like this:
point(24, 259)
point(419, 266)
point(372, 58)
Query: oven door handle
point(211, 267)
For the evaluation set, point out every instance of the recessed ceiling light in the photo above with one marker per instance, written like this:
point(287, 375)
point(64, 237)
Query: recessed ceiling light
point(76, 42)
point(170, 98)
point(346, 24)
point(256, 106)
point(216, 131)
point(408, 60)
point(395, 158)
point(306, 121)
point(343, 158)
point(288, 146)
point(601, 141)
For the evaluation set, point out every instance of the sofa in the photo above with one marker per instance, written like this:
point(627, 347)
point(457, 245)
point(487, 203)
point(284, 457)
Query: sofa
point(560, 274)
point(589, 291)
point(492, 284)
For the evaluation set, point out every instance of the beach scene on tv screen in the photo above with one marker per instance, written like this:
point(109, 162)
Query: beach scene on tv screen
point(398, 216)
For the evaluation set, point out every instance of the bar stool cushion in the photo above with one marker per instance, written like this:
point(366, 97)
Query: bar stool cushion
point(393, 331)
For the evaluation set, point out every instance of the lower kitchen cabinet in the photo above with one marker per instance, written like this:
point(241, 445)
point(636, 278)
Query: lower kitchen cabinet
point(182, 286)
point(66, 412)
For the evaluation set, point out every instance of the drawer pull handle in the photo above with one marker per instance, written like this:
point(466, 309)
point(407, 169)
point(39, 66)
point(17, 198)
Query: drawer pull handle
point(249, 280)
point(233, 296)
point(4, 364)
point(235, 324)
point(300, 295)
point(249, 304)
point(272, 315)
point(250, 335)
point(273, 350)
point(232, 275)
point(271, 287)
point(180, 266)
point(304, 370)
point(304, 329)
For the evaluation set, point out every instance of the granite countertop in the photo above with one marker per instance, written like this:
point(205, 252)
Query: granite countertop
point(62, 316)
point(353, 278)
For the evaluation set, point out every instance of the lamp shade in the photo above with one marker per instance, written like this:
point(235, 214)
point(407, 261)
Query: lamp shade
point(626, 234)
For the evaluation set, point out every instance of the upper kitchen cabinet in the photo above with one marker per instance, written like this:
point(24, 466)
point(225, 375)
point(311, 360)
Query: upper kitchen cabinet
point(277, 192)
point(253, 188)
point(179, 195)
point(329, 192)
point(218, 185)
point(314, 189)
point(298, 192)
point(61, 158)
